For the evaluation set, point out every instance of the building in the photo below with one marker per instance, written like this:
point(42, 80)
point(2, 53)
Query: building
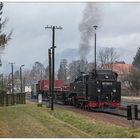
point(120, 67)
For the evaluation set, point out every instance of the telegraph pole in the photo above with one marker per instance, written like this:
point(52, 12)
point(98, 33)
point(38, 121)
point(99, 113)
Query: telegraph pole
point(12, 77)
point(50, 89)
point(53, 28)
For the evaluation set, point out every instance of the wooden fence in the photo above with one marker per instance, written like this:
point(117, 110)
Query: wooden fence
point(12, 99)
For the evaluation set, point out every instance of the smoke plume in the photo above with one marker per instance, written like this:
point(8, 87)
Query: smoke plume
point(91, 17)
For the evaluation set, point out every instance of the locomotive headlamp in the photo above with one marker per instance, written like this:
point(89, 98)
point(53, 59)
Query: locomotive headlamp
point(98, 90)
point(114, 90)
point(106, 76)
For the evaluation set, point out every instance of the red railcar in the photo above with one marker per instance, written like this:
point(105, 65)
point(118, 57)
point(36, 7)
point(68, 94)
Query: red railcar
point(58, 83)
point(43, 85)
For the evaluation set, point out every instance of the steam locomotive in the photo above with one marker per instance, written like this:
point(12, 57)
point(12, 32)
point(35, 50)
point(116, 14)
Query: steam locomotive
point(99, 89)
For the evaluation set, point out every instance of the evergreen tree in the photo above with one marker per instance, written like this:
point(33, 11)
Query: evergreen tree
point(136, 61)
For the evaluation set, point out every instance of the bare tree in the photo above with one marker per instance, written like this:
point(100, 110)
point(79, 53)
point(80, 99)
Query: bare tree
point(38, 71)
point(107, 56)
point(47, 73)
point(62, 72)
point(27, 75)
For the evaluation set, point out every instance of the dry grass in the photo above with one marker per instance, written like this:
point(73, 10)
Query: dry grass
point(30, 121)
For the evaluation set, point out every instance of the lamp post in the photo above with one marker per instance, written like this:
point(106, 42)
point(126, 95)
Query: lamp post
point(95, 27)
point(21, 87)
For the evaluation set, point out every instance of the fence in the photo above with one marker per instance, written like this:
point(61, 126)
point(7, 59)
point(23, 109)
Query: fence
point(12, 99)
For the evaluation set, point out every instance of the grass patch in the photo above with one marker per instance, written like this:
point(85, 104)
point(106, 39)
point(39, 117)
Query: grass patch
point(30, 121)
point(95, 128)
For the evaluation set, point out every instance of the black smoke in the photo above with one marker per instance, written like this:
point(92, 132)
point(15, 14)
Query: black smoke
point(91, 17)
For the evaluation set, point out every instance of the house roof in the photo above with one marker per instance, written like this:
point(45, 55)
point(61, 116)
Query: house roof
point(119, 68)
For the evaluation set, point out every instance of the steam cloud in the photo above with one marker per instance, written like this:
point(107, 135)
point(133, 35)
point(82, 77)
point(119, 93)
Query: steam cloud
point(91, 17)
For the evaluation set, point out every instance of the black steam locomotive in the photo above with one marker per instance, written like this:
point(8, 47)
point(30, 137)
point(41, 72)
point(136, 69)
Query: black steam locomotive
point(99, 89)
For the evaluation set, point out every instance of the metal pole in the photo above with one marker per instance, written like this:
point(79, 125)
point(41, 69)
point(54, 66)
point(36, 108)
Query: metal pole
point(133, 116)
point(21, 81)
point(95, 48)
point(9, 81)
point(53, 78)
point(95, 51)
point(12, 78)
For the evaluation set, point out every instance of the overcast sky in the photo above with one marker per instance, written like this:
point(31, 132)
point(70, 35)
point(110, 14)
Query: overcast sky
point(119, 27)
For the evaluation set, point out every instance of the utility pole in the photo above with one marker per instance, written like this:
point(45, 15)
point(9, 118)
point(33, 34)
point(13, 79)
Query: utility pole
point(53, 28)
point(12, 77)
point(21, 81)
point(95, 27)
point(9, 81)
point(50, 89)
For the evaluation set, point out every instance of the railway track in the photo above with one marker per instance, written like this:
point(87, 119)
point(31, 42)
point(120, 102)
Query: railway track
point(120, 112)
point(111, 115)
